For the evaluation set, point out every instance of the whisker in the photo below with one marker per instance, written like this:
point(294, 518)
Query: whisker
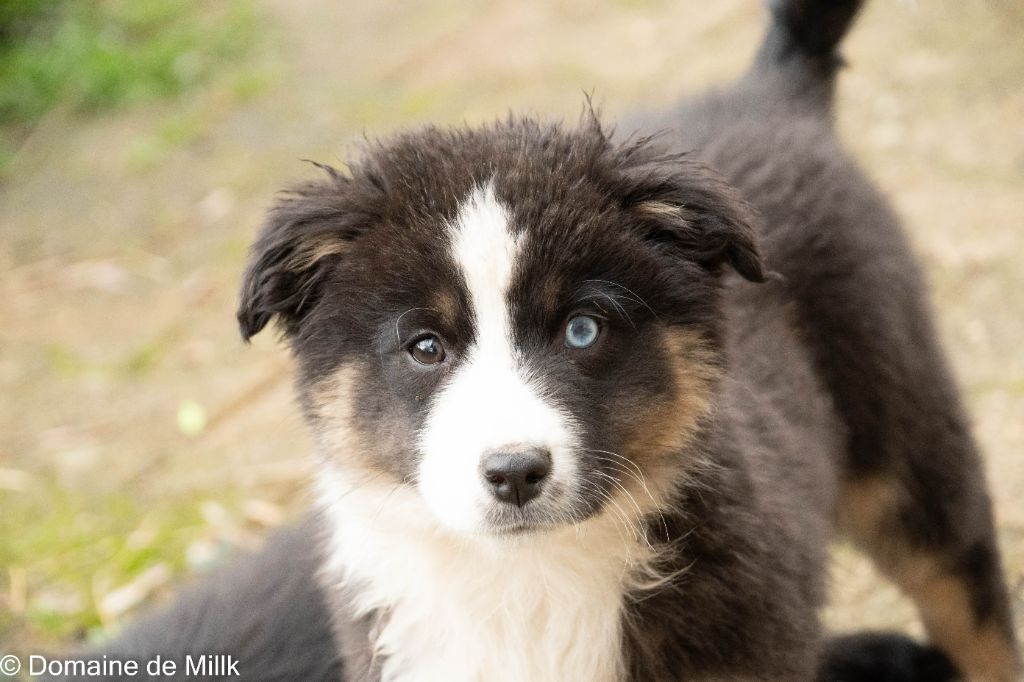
point(618, 306)
point(384, 502)
point(618, 512)
point(641, 479)
point(635, 296)
point(639, 511)
point(363, 483)
point(635, 473)
point(398, 336)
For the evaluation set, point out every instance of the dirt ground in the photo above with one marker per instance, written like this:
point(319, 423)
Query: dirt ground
point(139, 436)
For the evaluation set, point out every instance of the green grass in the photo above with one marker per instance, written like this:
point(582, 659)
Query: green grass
point(71, 547)
point(87, 56)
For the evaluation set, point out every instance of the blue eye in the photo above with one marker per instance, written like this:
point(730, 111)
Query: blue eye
point(581, 332)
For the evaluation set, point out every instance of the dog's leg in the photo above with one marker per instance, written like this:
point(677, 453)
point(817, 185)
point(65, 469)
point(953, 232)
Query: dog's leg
point(955, 581)
point(913, 492)
point(913, 488)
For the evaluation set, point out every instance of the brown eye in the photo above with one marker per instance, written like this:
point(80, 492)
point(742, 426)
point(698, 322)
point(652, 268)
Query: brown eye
point(427, 351)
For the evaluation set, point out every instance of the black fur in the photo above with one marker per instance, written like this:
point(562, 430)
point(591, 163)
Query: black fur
point(800, 48)
point(884, 657)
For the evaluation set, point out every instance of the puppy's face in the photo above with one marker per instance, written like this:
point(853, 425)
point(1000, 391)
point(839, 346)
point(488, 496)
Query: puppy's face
point(515, 322)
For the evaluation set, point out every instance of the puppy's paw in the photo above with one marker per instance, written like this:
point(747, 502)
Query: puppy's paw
point(883, 657)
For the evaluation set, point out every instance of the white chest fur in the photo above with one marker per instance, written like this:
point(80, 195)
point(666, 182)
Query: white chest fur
point(542, 608)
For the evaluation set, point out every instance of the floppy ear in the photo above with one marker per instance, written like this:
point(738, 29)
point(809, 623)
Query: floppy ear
point(305, 235)
point(690, 210)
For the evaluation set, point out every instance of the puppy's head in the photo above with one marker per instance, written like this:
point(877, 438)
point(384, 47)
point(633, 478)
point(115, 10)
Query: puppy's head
point(517, 323)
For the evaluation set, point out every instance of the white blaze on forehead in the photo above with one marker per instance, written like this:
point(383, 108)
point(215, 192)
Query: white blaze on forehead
point(489, 402)
point(486, 252)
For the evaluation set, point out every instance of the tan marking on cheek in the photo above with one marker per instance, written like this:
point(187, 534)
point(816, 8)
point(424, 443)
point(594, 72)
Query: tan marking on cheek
point(695, 371)
point(330, 409)
point(867, 514)
point(669, 422)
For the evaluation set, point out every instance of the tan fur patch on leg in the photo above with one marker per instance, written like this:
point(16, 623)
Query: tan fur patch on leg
point(864, 512)
point(983, 655)
point(868, 514)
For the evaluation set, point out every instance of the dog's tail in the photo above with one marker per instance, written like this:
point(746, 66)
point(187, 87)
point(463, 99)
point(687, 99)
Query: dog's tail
point(801, 46)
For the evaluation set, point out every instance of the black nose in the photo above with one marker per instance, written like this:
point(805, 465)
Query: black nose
point(516, 477)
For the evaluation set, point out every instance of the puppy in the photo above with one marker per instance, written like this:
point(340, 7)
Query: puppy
point(591, 408)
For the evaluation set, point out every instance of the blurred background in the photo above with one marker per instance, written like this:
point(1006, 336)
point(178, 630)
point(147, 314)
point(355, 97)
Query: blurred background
point(141, 140)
